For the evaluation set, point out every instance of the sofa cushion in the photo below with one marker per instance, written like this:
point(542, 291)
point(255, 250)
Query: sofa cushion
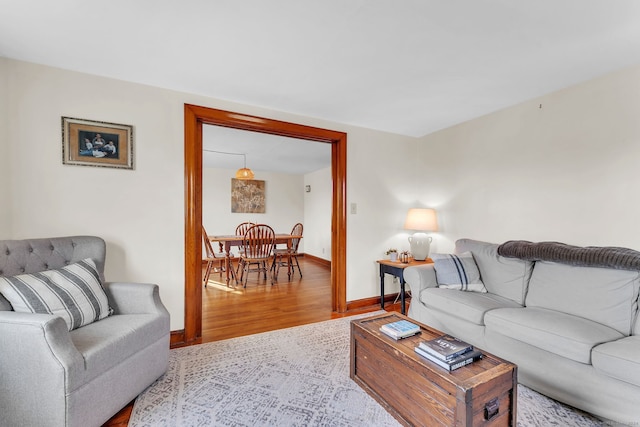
point(507, 277)
point(73, 292)
point(556, 332)
point(603, 295)
point(469, 306)
point(111, 341)
point(619, 359)
point(457, 272)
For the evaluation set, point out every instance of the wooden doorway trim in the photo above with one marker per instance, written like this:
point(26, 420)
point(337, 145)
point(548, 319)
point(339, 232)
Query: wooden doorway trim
point(194, 118)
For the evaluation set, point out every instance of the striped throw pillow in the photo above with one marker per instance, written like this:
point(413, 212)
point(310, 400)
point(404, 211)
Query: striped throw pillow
point(457, 272)
point(73, 292)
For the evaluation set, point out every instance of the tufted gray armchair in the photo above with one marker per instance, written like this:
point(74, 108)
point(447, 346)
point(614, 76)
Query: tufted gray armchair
point(52, 377)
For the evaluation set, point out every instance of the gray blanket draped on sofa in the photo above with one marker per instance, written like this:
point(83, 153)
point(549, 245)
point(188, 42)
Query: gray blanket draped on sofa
point(589, 256)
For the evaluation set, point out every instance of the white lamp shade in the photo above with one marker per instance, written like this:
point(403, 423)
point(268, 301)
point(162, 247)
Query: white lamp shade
point(421, 220)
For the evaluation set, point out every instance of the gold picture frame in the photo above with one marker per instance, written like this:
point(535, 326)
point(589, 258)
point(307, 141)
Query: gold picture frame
point(95, 143)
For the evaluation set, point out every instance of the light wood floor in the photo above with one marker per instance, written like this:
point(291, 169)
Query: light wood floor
point(234, 311)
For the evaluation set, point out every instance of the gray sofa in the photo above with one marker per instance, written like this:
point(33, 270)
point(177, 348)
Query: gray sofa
point(53, 377)
point(567, 316)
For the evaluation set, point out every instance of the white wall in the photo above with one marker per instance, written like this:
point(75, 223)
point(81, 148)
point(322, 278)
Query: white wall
point(562, 167)
point(317, 214)
point(284, 202)
point(565, 172)
point(5, 173)
point(140, 213)
point(381, 185)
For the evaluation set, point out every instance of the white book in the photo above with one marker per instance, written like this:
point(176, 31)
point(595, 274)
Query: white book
point(400, 329)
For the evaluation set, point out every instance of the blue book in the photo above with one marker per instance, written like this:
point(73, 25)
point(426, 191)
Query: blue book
point(400, 329)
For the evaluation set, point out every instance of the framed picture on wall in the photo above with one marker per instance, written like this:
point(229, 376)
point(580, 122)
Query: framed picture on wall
point(247, 196)
point(94, 143)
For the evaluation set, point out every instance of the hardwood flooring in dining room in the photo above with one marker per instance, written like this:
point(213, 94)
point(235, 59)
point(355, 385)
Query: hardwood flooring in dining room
point(234, 311)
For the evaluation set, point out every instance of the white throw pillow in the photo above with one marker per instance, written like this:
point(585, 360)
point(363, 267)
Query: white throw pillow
point(457, 271)
point(73, 292)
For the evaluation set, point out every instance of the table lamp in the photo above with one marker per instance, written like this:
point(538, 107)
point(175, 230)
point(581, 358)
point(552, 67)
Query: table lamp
point(421, 220)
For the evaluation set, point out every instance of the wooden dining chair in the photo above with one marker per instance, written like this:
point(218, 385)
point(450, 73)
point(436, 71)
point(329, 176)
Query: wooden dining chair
point(290, 253)
point(241, 230)
point(211, 257)
point(259, 241)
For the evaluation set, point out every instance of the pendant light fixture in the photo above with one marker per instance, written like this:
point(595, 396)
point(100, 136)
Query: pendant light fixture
point(242, 173)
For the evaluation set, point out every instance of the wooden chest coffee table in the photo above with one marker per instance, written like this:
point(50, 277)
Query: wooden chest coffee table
point(418, 392)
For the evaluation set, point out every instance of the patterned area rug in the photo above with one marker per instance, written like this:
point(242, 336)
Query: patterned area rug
point(289, 377)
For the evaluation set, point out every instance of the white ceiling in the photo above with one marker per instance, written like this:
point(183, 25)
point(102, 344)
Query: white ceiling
point(263, 152)
point(404, 66)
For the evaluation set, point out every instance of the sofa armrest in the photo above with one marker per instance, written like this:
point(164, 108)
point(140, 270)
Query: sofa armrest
point(38, 365)
point(420, 277)
point(47, 377)
point(135, 298)
point(37, 333)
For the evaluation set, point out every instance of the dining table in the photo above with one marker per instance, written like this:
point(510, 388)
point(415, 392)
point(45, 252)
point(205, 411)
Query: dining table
point(227, 241)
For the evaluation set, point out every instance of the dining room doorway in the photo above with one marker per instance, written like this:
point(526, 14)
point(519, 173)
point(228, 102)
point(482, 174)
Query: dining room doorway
point(194, 119)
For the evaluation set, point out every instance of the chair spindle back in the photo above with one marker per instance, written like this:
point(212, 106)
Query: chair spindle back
point(296, 231)
point(259, 241)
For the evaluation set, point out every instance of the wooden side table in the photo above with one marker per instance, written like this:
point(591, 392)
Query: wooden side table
point(396, 268)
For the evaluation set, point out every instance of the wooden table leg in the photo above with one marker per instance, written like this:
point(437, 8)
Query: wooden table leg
point(227, 262)
point(381, 286)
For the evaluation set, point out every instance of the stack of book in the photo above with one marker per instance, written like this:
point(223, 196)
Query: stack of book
point(448, 352)
point(400, 329)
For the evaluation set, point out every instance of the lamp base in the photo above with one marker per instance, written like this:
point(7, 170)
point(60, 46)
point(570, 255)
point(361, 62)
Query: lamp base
point(420, 246)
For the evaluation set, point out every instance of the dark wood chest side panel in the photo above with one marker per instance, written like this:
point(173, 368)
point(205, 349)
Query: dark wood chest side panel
point(419, 393)
point(411, 402)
